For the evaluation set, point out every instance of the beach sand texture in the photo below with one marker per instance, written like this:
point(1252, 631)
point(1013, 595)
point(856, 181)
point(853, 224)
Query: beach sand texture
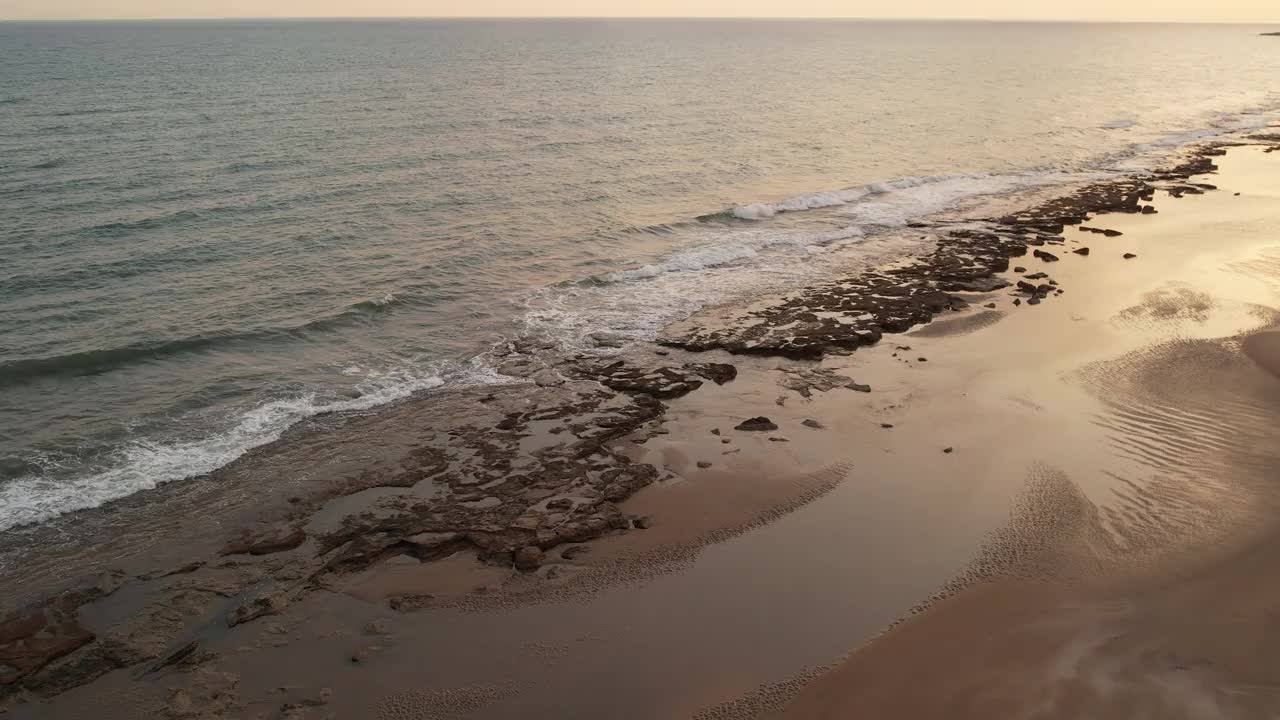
point(1065, 509)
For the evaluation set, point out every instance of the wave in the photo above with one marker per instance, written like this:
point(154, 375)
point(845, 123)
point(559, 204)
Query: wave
point(832, 198)
point(147, 464)
point(50, 164)
point(93, 362)
point(119, 229)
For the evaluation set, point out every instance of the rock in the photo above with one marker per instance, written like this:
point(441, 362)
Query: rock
point(718, 373)
point(922, 359)
point(991, 306)
point(1148, 210)
point(703, 464)
point(756, 424)
point(1016, 301)
point(1034, 301)
point(778, 439)
point(608, 339)
point(1045, 256)
point(1037, 276)
point(886, 426)
point(528, 558)
point(410, 602)
point(1081, 251)
point(266, 542)
point(859, 387)
point(574, 551)
point(269, 603)
point(813, 424)
point(1113, 233)
point(715, 431)
point(547, 378)
point(1026, 287)
point(1019, 269)
point(948, 450)
point(642, 523)
point(1129, 256)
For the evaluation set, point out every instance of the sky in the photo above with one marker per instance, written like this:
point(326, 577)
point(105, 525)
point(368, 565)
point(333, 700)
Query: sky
point(1119, 10)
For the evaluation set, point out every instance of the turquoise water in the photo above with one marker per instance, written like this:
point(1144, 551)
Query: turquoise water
point(212, 230)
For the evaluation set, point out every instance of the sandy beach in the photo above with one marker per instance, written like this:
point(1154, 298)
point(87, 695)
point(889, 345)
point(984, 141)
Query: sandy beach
point(1054, 499)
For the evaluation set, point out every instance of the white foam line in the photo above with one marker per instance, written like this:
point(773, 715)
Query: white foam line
point(146, 464)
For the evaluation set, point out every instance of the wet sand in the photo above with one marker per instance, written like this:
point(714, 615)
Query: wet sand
point(1057, 497)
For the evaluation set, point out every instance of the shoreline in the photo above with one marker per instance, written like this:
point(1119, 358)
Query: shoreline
point(370, 529)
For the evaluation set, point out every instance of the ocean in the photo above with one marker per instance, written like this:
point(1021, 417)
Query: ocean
point(214, 230)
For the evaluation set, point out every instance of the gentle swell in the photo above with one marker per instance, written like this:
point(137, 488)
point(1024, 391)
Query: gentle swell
point(92, 362)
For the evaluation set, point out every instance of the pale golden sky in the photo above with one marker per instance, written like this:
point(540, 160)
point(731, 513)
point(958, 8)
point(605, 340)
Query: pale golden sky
point(1157, 10)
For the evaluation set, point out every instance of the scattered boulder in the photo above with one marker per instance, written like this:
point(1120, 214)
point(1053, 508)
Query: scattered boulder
point(703, 464)
point(1081, 251)
point(1129, 256)
point(718, 373)
point(1045, 256)
point(528, 558)
point(813, 424)
point(859, 387)
point(757, 424)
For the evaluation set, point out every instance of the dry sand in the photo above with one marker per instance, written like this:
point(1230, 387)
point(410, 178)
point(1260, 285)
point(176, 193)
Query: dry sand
point(1074, 503)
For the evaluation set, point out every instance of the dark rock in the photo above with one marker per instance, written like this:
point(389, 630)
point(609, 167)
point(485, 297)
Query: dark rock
point(703, 464)
point(1037, 276)
point(1112, 233)
point(715, 431)
point(266, 543)
point(859, 387)
point(778, 439)
point(718, 373)
point(1045, 256)
point(528, 558)
point(1081, 251)
point(1034, 301)
point(922, 359)
point(992, 306)
point(1019, 269)
point(886, 426)
point(1148, 210)
point(574, 551)
point(1129, 256)
point(813, 424)
point(1016, 301)
point(756, 424)
point(1026, 287)
point(948, 450)
point(410, 602)
point(643, 522)
point(268, 603)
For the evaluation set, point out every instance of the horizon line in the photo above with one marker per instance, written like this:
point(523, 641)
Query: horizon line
point(464, 18)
